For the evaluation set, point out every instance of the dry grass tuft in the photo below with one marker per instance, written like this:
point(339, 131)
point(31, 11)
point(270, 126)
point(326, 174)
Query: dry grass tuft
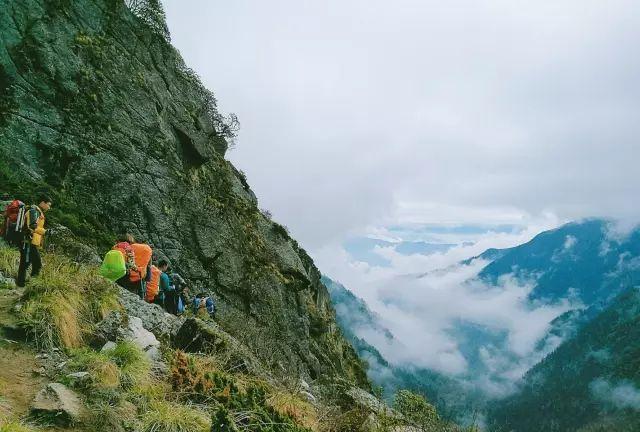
point(290, 405)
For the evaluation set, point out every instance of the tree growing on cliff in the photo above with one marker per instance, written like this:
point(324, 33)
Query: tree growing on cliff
point(152, 14)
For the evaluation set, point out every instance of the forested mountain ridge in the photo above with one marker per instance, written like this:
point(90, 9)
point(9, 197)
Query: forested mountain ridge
point(592, 378)
point(589, 264)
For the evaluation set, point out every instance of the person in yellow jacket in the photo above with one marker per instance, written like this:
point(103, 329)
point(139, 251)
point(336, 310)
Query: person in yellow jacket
point(34, 234)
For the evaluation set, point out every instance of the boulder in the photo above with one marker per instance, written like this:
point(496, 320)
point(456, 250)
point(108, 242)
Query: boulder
point(59, 404)
point(108, 346)
point(136, 333)
point(79, 378)
point(154, 318)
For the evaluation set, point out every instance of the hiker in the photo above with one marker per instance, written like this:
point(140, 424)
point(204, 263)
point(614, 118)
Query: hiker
point(33, 238)
point(123, 245)
point(167, 292)
point(174, 294)
point(139, 276)
point(204, 301)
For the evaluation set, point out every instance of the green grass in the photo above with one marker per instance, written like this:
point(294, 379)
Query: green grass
point(9, 259)
point(124, 366)
point(171, 417)
point(133, 363)
point(12, 426)
point(105, 374)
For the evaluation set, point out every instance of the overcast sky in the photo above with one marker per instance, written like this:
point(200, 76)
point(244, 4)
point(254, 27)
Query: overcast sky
point(364, 112)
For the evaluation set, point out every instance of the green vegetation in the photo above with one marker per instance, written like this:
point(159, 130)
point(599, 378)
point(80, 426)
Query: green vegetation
point(125, 366)
point(416, 409)
point(251, 403)
point(13, 426)
point(165, 416)
point(62, 304)
point(559, 393)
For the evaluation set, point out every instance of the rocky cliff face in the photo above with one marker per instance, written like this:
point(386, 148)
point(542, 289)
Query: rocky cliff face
point(97, 107)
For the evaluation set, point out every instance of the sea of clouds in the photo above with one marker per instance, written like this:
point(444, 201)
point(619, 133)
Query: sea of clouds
point(425, 300)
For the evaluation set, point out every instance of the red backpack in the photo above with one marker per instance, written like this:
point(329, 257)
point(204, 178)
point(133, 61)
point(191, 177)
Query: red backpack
point(13, 227)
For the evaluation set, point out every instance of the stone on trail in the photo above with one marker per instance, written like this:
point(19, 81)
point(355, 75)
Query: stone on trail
point(56, 402)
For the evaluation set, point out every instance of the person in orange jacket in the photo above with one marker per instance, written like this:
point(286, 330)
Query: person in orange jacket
point(34, 232)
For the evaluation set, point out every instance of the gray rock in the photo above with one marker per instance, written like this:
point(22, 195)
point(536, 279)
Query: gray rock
point(136, 333)
point(153, 317)
point(305, 385)
point(108, 346)
point(7, 281)
point(197, 335)
point(109, 328)
point(79, 378)
point(58, 403)
point(154, 354)
point(308, 396)
point(369, 402)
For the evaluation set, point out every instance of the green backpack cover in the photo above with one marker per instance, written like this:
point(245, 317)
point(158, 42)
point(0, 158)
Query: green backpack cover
point(113, 266)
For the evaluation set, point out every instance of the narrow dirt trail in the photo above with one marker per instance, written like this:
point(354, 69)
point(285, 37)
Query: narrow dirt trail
point(18, 381)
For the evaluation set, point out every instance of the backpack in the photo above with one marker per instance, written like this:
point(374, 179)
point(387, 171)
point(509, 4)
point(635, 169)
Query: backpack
point(142, 256)
point(181, 307)
point(13, 230)
point(153, 286)
point(113, 266)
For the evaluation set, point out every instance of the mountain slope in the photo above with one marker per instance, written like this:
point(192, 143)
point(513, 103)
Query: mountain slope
point(594, 376)
point(580, 259)
point(452, 400)
point(99, 109)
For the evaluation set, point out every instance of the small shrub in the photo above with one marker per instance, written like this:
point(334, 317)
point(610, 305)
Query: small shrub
point(107, 417)
point(199, 379)
point(222, 421)
point(143, 395)
point(170, 417)
point(416, 409)
point(132, 362)
point(123, 366)
point(105, 374)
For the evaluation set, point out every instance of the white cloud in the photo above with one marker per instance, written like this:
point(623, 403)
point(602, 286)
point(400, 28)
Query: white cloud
point(422, 298)
point(566, 250)
point(621, 395)
point(355, 112)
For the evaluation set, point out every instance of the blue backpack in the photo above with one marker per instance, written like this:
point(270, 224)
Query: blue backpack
point(181, 307)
